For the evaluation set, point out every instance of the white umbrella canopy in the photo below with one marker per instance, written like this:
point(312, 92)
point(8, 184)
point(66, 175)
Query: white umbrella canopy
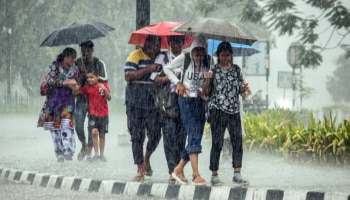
point(218, 29)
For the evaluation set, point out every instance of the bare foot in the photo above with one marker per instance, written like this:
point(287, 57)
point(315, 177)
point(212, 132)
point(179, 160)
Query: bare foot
point(198, 180)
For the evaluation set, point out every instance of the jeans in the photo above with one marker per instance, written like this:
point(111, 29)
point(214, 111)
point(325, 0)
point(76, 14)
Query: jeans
point(142, 122)
point(219, 121)
point(193, 118)
point(81, 110)
point(174, 140)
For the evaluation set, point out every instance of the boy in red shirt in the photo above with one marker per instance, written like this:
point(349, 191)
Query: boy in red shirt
point(98, 94)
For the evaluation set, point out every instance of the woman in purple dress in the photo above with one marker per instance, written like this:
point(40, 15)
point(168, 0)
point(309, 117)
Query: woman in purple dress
point(58, 111)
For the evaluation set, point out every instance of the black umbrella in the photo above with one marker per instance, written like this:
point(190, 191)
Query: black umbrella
point(77, 33)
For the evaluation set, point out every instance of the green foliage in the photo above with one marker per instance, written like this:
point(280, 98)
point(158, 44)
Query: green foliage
point(205, 7)
point(282, 132)
point(309, 36)
point(278, 22)
point(339, 16)
point(284, 17)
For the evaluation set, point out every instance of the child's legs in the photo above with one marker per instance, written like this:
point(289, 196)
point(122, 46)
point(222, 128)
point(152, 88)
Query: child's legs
point(95, 134)
point(102, 129)
point(102, 143)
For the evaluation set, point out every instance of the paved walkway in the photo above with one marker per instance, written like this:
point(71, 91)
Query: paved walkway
point(26, 154)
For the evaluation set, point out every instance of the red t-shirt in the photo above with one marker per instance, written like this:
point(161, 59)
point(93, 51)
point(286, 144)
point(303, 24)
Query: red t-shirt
point(98, 105)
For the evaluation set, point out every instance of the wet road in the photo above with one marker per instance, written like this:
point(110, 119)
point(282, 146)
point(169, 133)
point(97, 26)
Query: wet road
point(23, 146)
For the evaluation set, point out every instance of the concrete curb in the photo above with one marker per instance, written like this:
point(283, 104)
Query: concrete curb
point(167, 191)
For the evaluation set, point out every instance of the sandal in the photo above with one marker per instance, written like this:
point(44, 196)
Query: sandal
point(139, 177)
point(147, 170)
point(198, 180)
point(180, 177)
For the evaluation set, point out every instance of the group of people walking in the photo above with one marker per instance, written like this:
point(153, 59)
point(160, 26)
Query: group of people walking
point(193, 80)
point(78, 88)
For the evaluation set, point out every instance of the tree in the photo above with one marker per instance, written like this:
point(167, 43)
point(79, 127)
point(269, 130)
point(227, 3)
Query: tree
point(337, 84)
point(284, 17)
point(29, 29)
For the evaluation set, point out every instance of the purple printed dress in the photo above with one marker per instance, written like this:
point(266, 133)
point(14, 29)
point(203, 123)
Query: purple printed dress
point(57, 115)
point(60, 102)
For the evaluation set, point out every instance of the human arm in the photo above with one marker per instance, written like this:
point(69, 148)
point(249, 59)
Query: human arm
point(161, 79)
point(105, 90)
point(133, 75)
point(173, 70)
point(102, 73)
point(76, 89)
point(55, 79)
point(207, 84)
point(244, 89)
point(132, 70)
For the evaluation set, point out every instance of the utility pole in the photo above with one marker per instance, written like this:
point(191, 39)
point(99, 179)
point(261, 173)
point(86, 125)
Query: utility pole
point(142, 13)
point(293, 61)
point(267, 65)
point(8, 32)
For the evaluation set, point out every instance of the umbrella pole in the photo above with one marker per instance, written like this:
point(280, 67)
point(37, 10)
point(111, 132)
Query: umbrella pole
point(212, 56)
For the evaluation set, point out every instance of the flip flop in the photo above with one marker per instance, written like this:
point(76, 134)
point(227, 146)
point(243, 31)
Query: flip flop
point(179, 178)
point(139, 177)
point(201, 181)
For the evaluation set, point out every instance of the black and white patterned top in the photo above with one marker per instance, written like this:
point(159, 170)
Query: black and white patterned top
point(225, 89)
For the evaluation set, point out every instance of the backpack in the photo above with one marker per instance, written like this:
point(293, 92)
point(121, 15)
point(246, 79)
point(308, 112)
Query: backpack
point(165, 100)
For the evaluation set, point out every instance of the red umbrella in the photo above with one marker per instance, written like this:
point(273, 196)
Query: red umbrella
point(162, 29)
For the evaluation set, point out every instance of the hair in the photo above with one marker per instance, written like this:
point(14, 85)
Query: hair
point(224, 46)
point(94, 73)
point(88, 44)
point(65, 53)
point(153, 38)
point(176, 38)
point(197, 49)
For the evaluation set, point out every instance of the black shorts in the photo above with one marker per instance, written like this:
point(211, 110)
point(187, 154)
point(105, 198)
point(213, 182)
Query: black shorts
point(101, 123)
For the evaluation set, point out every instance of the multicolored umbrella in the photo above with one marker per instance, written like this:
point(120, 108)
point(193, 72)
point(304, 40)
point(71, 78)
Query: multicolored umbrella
point(238, 49)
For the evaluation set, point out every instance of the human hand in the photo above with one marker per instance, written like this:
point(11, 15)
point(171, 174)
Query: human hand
point(208, 74)
point(247, 89)
point(156, 67)
point(101, 89)
point(180, 89)
point(245, 92)
point(70, 83)
point(82, 69)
